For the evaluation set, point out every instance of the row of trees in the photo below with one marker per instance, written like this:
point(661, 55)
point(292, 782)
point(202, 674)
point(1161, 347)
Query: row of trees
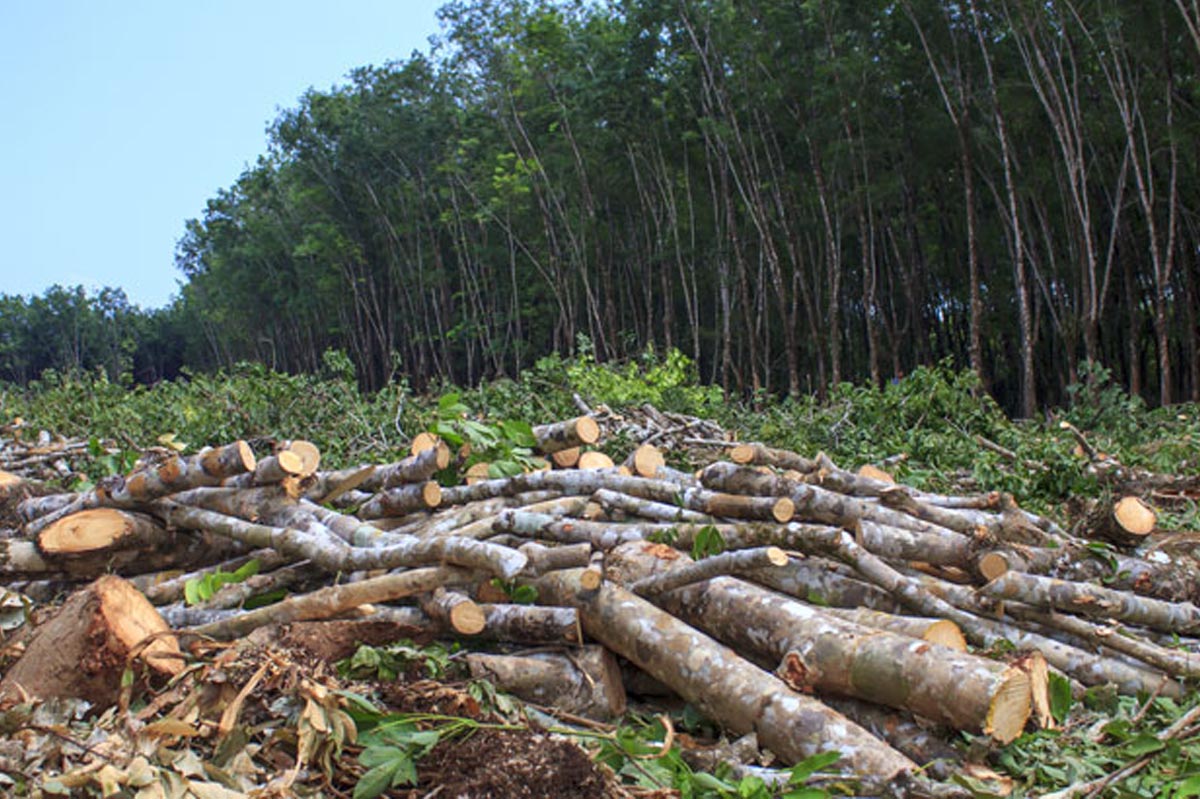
point(70, 330)
point(794, 192)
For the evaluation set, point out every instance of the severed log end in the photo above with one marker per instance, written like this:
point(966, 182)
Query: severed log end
point(1134, 516)
point(86, 648)
point(947, 634)
point(95, 530)
point(563, 435)
point(8, 483)
point(783, 510)
point(742, 454)
point(309, 454)
point(566, 458)
point(992, 564)
point(875, 473)
point(424, 441)
point(594, 460)
point(1010, 707)
point(1034, 664)
point(646, 460)
point(228, 461)
point(476, 472)
point(591, 578)
point(458, 610)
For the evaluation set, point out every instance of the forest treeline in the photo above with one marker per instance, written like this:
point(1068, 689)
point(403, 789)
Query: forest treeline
point(795, 193)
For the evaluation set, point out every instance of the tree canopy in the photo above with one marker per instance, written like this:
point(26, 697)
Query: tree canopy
point(793, 193)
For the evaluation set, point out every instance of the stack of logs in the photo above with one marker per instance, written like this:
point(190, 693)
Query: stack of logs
point(26, 454)
point(825, 610)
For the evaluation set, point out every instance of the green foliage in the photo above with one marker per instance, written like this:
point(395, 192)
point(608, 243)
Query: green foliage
point(202, 589)
point(634, 752)
point(668, 382)
point(401, 657)
point(506, 445)
point(1102, 735)
point(517, 593)
point(708, 542)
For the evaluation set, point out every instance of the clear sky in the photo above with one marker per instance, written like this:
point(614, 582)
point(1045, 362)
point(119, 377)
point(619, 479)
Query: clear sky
point(119, 119)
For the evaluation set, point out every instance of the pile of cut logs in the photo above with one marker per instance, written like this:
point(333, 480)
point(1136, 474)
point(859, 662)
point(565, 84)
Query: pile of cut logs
point(825, 609)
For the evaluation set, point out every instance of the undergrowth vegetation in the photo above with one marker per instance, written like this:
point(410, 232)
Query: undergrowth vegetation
point(937, 428)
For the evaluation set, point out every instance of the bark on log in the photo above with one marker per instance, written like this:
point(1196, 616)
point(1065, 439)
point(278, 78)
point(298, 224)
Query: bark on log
point(1088, 668)
point(85, 649)
point(325, 603)
point(935, 631)
point(1093, 600)
point(401, 500)
point(585, 681)
point(761, 455)
point(457, 611)
point(544, 559)
point(520, 624)
point(729, 690)
point(575, 432)
point(826, 583)
point(646, 508)
point(822, 652)
point(726, 563)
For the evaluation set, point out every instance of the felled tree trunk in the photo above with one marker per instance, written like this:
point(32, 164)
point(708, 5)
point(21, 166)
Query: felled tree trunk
point(822, 652)
point(731, 691)
point(1125, 522)
point(1094, 600)
point(99, 530)
point(86, 648)
point(586, 682)
point(575, 432)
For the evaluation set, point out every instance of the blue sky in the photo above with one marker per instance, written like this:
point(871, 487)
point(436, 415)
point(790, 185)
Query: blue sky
point(119, 119)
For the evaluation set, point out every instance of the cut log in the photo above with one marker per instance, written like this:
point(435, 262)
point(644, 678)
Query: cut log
point(760, 455)
point(401, 500)
point(875, 473)
point(1096, 601)
point(521, 624)
point(309, 454)
point(726, 688)
point(646, 508)
point(936, 631)
point(99, 530)
point(328, 602)
point(824, 582)
point(1126, 522)
point(476, 472)
point(585, 682)
point(455, 610)
point(646, 460)
point(563, 435)
point(84, 651)
point(594, 460)
point(8, 484)
point(544, 559)
point(821, 652)
point(726, 563)
point(566, 458)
